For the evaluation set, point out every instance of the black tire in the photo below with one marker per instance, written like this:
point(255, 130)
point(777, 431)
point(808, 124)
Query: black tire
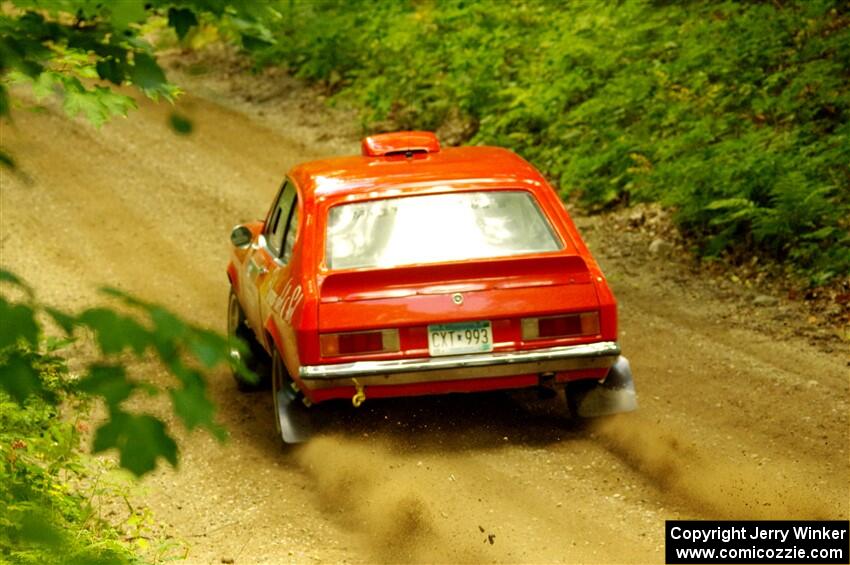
point(279, 378)
point(254, 358)
point(574, 390)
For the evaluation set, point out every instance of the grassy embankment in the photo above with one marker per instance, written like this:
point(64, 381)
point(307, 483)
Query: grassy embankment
point(735, 115)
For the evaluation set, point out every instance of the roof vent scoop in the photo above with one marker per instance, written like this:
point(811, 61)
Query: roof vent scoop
point(405, 143)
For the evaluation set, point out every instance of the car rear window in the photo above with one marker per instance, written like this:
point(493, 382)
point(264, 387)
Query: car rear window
point(436, 228)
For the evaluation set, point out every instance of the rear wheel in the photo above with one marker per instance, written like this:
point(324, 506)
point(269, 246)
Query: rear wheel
point(252, 355)
point(576, 391)
point(279, 381)
point(293, 419)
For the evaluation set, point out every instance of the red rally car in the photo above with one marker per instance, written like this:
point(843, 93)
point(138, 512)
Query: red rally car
point(414, 269)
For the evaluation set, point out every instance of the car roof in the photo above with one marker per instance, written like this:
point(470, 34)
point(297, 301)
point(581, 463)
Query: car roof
point(452, 168)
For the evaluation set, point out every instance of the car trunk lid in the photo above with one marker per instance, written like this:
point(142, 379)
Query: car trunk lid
point(498, 290)
point(446, 278)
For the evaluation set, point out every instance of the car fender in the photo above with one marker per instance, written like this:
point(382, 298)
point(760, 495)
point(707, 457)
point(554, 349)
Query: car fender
point(273, 338)
point(233, 276)
point(276, 342)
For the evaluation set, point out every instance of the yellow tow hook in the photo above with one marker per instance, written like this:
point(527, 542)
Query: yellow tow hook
point(359, 396)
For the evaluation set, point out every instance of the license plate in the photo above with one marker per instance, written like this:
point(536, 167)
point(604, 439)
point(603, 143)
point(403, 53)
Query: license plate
point(456, 339)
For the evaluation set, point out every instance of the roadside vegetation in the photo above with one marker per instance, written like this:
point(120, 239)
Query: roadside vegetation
point(50, 487)
point(735, 115)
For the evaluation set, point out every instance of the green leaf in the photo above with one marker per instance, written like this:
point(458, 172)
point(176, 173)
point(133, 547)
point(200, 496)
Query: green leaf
point(734, 216)
point(821, 234)
point(4, 101)
point(21, 379)
point(167, 325)
point(192, 404)
point(113, 103)
point(65, 321)
point(99, 104)
point(56, 343)
point(109, 382)
point(116, 332)
point(180, 124)
point(126, 12)
point(46, 84)
point(729, 203)
point(254, 43)
point(126, 298)
point(6, 160)
point(37, 528)
point(168, 332)
point(237, 364)
point(146, 74)
point(140, 439)
point(17, 322)
point(9, 277)
point(40, 533)
point(182, 20)
point(209, 347)
point(111, 70)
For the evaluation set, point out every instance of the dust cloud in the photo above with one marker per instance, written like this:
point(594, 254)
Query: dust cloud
point(387, 502)
point(720, 487)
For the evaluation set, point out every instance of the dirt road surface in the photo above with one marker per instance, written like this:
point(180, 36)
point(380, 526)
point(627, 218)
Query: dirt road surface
point(734, 422)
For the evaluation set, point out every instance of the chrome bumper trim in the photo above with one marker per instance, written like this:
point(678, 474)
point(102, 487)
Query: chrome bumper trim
point(454, 362)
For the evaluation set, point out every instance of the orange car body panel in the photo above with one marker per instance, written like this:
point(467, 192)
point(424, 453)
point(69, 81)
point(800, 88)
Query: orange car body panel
point(289, 304)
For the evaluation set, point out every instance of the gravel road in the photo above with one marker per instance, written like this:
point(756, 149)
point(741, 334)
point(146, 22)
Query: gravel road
point(734, 422)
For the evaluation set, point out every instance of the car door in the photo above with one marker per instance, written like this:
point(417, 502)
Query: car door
point(265, 258)
point(284, 293)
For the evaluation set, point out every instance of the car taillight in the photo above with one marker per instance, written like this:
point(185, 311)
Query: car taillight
point(358, 343)
point(586, 323)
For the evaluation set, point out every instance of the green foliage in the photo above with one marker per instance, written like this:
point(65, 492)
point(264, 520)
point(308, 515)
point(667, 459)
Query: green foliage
point(39, 401)
point(146, 330)
point(735, 114)
point(182, 20)
point(180, 124)
point(140, 438)
point(73, 48)
point(42, 518)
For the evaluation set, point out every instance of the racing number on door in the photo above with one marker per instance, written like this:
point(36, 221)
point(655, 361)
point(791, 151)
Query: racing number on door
point(289, 299)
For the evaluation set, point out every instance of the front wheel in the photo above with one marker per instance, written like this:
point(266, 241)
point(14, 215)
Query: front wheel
point(249, 352)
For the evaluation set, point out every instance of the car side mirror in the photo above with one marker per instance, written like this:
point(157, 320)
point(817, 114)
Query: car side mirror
point(241, 236)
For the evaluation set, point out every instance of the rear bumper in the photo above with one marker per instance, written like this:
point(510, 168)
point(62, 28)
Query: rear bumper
point(600, 355)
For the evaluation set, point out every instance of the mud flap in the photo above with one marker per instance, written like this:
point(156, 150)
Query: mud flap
point(613, 395)
point(293, 417)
